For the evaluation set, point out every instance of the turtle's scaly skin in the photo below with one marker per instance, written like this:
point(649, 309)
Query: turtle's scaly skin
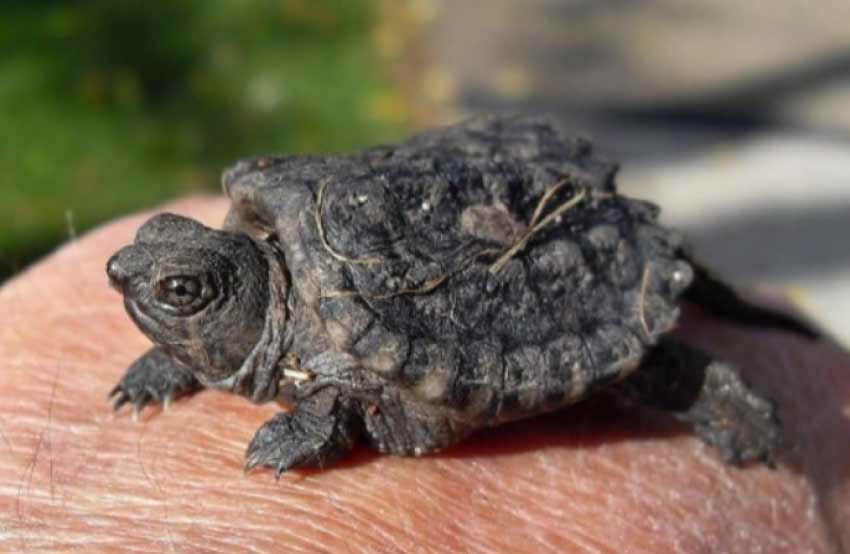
point(471, 275)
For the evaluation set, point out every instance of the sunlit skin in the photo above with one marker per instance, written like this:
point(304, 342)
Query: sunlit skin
point(592, 479)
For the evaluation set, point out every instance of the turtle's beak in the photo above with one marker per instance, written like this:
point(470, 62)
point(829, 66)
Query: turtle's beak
point(128, 263)
point(118, 275)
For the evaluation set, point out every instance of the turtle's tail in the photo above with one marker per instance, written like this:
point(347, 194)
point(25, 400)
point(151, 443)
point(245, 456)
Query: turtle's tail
point(720, 299)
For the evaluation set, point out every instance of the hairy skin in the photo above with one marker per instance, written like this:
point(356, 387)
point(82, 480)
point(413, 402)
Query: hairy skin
point(591, 479)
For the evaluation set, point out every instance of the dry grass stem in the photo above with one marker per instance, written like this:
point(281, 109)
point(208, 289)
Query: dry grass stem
point(535, 226)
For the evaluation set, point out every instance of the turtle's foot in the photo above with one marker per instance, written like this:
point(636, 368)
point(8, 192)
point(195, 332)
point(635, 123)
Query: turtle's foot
point(730, 417)
point(711, 396)
point(319, 431)
point(153, 378)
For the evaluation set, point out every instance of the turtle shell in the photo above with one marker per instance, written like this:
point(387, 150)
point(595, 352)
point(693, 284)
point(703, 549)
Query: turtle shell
point(489, 266)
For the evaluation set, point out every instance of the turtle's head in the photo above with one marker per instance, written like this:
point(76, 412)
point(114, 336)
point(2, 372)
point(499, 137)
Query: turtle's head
point(201, 294)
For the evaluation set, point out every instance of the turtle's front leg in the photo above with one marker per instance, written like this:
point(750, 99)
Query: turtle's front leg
point(322, 427)
point(154, 377)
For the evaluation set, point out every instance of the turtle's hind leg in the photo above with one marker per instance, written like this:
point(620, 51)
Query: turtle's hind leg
point(711, 396)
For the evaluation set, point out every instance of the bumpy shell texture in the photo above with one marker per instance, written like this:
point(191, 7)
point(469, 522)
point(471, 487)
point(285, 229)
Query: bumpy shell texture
point(491, 267)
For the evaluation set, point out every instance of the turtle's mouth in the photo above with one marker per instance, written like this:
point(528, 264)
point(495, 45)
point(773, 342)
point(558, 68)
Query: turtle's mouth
point(146, 323)
point(116, 285)
point(142, 320)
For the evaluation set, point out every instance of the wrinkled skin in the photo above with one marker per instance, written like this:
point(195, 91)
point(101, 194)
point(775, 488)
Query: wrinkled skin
point(588, 479)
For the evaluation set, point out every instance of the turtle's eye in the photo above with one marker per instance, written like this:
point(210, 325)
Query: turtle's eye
point(183, 294)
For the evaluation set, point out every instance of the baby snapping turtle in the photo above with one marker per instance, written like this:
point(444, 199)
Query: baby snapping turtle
point(411, 294)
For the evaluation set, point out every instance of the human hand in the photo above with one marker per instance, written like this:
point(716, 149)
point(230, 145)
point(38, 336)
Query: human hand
point(590, 479)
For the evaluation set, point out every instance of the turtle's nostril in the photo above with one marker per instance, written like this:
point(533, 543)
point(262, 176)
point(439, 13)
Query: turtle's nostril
point(117, 274)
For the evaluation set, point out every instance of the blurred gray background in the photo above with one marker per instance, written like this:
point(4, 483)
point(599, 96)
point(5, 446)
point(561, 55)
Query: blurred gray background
point(734, 116)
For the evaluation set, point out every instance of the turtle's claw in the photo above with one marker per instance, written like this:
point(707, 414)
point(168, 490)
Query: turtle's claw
point(152, 379)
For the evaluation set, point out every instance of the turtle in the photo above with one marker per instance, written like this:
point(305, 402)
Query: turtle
point(411, 294)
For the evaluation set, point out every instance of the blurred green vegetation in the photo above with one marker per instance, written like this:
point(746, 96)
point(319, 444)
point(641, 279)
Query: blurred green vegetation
point(107, 106)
